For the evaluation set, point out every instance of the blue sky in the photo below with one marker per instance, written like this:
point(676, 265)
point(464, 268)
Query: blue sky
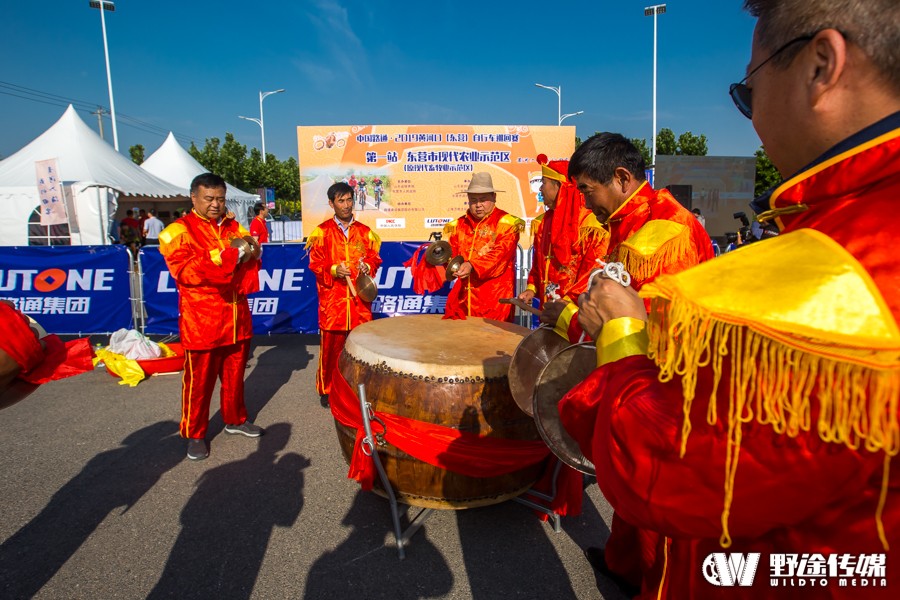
point(193, 67)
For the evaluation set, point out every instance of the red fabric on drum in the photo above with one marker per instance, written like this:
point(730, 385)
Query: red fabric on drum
point(444, 447)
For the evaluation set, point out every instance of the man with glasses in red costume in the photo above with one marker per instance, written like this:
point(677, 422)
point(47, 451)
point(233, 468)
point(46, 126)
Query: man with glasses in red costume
point(759, 421)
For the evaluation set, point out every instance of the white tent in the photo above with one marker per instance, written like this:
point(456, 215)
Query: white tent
point(174, 164)
point(97, 175)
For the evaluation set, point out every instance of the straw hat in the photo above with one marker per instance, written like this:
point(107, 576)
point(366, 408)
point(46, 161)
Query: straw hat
point(481, 183)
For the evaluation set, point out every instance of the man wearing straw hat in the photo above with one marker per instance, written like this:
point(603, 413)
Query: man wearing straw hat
point(486, 237)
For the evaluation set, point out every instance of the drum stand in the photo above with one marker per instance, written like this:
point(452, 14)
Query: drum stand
point(551, 515)
point(369, 443)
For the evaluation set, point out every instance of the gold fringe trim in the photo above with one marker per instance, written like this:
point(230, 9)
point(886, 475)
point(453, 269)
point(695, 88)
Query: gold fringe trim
point(591, 234)
point(376, 241)
point(535, 225)
point(315, 238)
point(512, 221)
point(772, 383)
point(450, 227)
point(643, 267)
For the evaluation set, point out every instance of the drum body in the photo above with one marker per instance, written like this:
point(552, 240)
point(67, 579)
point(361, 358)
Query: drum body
point(451, 373)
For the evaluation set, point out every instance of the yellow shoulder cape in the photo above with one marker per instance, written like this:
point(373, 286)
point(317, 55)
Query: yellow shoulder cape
point(657, 243)
point(789, 315)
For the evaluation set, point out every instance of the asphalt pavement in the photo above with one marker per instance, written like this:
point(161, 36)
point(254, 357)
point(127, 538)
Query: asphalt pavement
point(99, 502)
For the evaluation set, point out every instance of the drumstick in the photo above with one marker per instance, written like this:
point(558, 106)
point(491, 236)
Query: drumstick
point(350, 283)
point(520, 304)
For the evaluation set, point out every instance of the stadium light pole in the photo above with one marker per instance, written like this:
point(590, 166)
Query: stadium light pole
point(106, 5)
point(656, 9)
point(262, 96)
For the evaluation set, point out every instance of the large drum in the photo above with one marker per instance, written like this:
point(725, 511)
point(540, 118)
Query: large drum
point(451, 373)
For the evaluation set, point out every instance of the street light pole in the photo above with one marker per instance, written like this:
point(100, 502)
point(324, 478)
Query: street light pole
point(106, 5)
point(262, 96)
point(558, 91)
point(656, 9)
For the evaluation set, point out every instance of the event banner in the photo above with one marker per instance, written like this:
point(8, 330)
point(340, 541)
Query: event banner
point(69, 289)
point(287, 301)
point(411, 179)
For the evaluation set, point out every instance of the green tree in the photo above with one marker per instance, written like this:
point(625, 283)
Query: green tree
point(691, 145)
point(644, 148)
point(208, 156)
point(137, 154)
point(686, 144)
point(767, 176)
point(665, 142)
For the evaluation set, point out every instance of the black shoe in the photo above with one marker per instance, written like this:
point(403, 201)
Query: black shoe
point(246, 428)
point(197, 449)
point(597, 559)
point(323, 400)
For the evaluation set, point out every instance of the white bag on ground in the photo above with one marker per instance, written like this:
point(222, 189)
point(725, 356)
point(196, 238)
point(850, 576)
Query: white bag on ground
point(132, 344)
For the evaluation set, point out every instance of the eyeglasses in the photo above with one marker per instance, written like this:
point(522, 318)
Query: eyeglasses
point(740, 93)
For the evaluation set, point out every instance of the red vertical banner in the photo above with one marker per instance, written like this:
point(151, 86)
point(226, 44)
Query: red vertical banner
point(53, 204)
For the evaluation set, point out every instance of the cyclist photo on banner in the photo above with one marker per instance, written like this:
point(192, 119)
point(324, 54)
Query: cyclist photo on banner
point(378, 189)
point(361, 192)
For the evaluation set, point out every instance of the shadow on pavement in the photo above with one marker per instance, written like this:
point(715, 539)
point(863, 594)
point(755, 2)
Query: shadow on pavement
point(112, 479)
point(227, 523)
point(363, 567)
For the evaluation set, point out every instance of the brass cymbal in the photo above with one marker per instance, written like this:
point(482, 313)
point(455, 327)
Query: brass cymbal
point(530, 357)
point(438, 253)
point(453, 266)
point(241, 243)
point(565, 370)
point(366, 288)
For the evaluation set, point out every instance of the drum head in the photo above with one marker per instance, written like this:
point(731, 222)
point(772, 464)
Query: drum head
point(564, 371)
point(531, 356)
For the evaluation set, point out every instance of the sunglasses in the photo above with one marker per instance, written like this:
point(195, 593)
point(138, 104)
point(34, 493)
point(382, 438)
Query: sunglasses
point(740, 93)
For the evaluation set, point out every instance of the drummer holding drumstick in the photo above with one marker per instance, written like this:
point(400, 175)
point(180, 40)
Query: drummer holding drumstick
point(339, 249)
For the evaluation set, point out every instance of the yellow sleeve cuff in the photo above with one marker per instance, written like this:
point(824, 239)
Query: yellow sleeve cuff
point(334, 270)
point(532, 288)
point(620, 338)
point(565, 319)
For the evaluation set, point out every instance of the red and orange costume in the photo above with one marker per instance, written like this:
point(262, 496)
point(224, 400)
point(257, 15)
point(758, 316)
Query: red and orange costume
point(652, 235)
point(214, 316)
point(259, 230)
point(339, 310)
point(763, 418)
point(489, 245)
point(26, 362)
point(567, 240)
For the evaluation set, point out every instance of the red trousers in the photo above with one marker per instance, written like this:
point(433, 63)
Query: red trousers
point(632, 554)
point(329, 351)
point(201, 369)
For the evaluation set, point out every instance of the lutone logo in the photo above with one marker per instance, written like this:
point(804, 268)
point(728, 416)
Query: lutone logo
point(436, 222)
point(390, 223)
point(50, 280)
point(731, 569)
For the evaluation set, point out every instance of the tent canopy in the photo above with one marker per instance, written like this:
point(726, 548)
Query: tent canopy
point(174, 164)
point(83, 156)
point(89, 165)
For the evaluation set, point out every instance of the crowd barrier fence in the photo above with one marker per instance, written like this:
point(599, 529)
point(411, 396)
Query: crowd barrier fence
point(83, 290)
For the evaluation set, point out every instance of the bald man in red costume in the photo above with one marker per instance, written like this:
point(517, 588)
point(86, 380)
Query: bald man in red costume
point(213, 280)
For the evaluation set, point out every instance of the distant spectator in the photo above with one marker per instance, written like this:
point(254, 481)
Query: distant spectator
point(152, 228)
point(258, 227)
point(700, 217)
point(130, 232)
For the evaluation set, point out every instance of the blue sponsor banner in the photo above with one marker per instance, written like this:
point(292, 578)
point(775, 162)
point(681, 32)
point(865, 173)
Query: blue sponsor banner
point(69, 289)
point(395, 289)
point(287, 301)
